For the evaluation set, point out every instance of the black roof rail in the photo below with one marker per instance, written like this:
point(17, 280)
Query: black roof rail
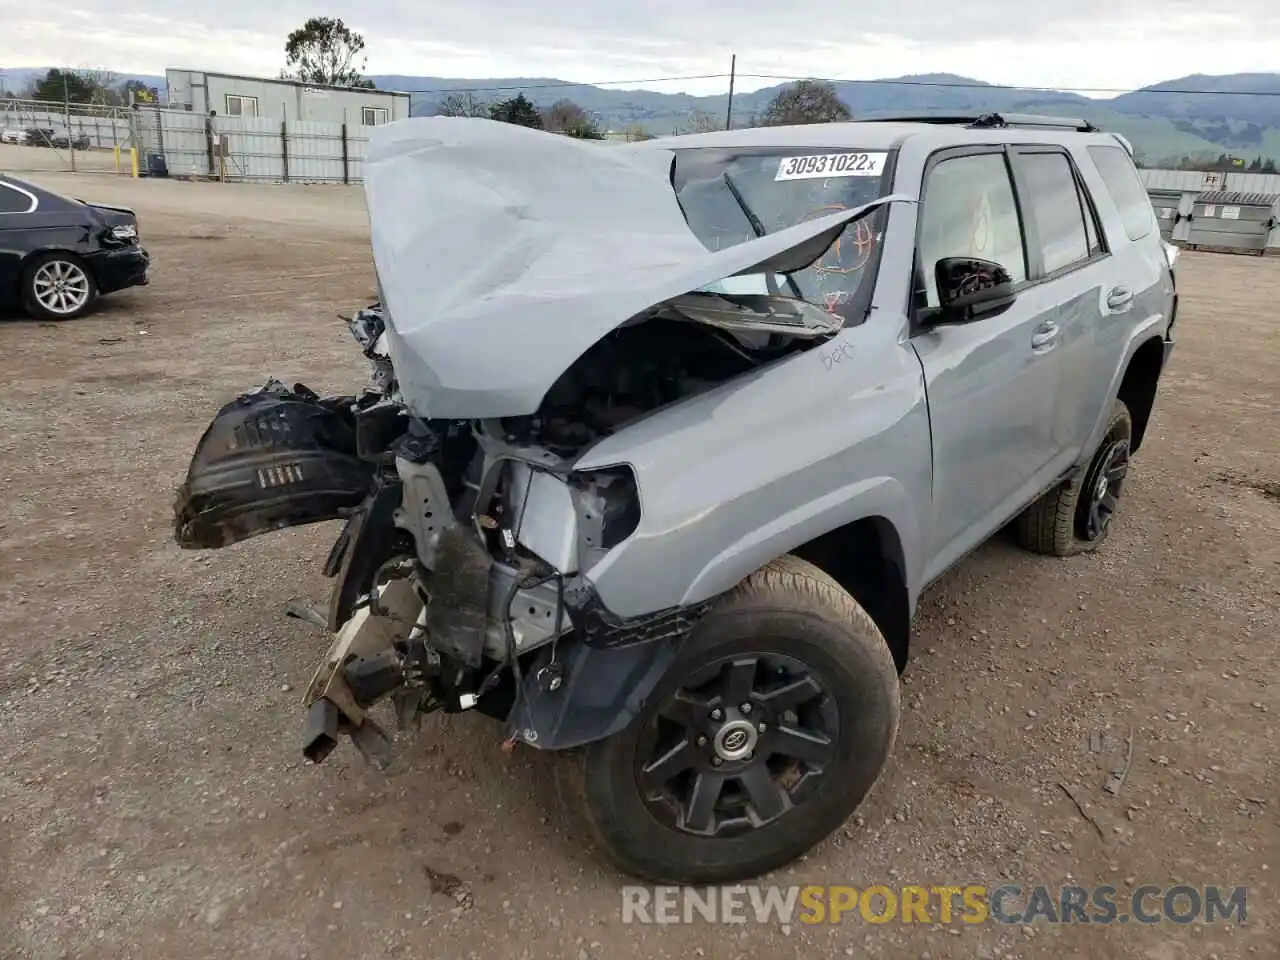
point(989, 121)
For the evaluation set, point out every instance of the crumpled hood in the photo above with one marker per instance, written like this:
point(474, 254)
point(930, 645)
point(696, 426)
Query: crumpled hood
point(503, 253)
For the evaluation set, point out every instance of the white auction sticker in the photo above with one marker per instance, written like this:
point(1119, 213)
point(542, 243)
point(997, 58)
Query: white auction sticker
point(822, 165)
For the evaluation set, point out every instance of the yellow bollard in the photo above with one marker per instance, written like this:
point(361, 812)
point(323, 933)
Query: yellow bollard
point(116, 152)
point(133, 160)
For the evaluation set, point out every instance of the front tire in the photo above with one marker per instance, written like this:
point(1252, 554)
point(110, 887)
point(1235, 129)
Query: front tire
point(766, 733)
point(1076, 516)
point(58, 286)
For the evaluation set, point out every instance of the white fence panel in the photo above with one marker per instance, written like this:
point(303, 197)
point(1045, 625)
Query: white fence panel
point(315, 152)
point(183, 143)
point(357, 149)
point(255, 147)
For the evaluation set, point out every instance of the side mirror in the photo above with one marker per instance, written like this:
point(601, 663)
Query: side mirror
point(970, 289)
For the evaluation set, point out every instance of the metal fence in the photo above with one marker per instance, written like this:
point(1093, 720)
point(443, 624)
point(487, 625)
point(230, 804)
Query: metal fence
point(104, 127)
point(183, 144)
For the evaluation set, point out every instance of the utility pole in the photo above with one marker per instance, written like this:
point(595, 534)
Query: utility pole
point(733, 70)
point(66, 113)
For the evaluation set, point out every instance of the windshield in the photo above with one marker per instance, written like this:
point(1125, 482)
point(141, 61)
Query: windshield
point(730, 196)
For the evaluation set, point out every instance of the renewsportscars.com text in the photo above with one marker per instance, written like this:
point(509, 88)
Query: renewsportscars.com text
point(969, 904)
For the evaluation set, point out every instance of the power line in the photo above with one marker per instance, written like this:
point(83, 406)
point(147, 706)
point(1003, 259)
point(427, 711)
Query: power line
point(561, 84)
point(952, 84)
point(975, 85)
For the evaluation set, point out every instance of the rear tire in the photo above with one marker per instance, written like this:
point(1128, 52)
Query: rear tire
point(789, 731)
point(1076, 516)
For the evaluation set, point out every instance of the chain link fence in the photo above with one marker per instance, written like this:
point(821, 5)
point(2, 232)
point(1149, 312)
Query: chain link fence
point(37, 135)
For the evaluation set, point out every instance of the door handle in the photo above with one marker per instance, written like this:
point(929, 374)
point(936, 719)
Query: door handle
point(1119, 298)
point(1044, 335)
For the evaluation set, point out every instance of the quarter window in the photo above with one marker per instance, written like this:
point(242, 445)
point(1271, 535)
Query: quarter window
point(239, 106)
point(15, 201)
point(1053, 199)
point(969, 211)
point(1125, 189)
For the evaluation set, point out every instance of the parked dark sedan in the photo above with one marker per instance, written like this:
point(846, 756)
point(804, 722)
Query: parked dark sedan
point(65, 141)
point(58, 255)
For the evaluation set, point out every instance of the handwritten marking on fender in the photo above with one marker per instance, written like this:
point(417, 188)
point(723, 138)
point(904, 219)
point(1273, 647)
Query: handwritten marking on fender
point(836, 355)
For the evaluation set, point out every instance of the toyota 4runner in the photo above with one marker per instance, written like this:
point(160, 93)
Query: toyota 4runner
point(665, 439)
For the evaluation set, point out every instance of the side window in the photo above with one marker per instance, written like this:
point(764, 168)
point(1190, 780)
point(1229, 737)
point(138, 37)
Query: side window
point(13, 201)
point(1091, 229)
point(240, 106)
point(1053, 200)
point(1125, 189)
point(969, 211)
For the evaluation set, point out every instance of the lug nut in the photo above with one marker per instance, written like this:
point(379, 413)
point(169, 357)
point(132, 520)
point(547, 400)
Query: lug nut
point(716, 761)
point(717, 714)
point(745, 708)
point(702, 741)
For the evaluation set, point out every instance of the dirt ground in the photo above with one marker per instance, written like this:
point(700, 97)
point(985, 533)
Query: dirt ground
point(20, 160)
point(153, 802)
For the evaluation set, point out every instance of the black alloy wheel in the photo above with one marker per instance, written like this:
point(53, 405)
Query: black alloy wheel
point(762, 736)
point(742, 742)
point(1100, 494)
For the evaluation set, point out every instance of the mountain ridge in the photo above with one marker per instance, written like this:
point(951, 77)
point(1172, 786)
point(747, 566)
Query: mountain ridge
point(1196, 116)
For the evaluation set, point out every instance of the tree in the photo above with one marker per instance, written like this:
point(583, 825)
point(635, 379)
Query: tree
point(104, 83)
point(703, 122)
point(462, 105)
point(566, 117)
point(325, 50)
point(59, 85)
point(140, 92)
point(635, 133)
point(805, 101)
point(518, 110)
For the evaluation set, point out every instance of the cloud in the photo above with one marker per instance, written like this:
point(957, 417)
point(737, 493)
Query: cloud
point(1091, 43)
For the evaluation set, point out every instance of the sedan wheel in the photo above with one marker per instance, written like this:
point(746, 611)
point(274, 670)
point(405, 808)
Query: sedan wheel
point(58, 287)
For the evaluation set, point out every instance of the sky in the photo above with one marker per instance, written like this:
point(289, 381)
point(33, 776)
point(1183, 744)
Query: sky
point(1089, 44)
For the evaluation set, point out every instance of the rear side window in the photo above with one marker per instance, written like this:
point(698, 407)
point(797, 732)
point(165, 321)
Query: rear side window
point(1054, 202)
point(14, 201)
point(1125, 189)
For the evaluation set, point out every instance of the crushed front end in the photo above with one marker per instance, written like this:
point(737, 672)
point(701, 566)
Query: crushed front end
point(459, 565)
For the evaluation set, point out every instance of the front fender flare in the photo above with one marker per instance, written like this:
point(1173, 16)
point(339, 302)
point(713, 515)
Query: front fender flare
point(603, 691)
point(874, 497)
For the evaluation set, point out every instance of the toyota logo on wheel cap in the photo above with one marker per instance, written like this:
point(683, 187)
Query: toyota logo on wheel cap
point(735, 740)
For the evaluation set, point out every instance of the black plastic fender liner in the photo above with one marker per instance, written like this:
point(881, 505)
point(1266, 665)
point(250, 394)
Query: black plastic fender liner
point(602, 691)
point(271, 459)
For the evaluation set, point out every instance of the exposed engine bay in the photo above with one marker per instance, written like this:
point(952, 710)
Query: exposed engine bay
point(463, 567)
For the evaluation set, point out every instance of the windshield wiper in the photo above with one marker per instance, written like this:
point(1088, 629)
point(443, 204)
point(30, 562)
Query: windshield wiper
point(757, 227)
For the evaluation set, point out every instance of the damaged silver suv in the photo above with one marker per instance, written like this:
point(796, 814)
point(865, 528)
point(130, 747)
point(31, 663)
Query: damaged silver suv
point(665, 439)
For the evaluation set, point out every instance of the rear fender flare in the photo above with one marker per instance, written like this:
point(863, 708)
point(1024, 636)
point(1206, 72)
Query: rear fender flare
point(1149, 331)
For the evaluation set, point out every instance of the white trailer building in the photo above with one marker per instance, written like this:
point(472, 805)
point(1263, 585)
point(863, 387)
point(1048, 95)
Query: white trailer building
point(230, 95)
